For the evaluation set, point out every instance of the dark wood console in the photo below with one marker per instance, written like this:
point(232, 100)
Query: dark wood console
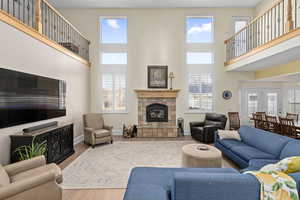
point(59, 142)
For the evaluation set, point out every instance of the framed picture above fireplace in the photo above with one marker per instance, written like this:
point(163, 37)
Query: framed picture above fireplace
point(157, 76)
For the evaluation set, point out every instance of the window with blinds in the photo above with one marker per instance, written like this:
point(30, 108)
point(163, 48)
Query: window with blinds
point(199, 62)
point(200, 92)
point(113, 60)
point(294, 100)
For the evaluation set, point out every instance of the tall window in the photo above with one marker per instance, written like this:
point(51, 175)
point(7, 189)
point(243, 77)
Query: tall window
point(294, 100)
point(113, 60)
point(199, 61)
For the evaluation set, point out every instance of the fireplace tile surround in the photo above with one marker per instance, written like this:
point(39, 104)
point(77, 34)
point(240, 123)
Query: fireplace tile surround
point(157, 129)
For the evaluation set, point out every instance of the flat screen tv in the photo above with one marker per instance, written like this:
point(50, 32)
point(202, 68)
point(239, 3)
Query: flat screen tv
point(26, 98)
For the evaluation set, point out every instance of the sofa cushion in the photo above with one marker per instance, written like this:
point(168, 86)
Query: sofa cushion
point(296, 177)
point(260, 139)
point(39, 170)
point(292, 148)
point(163, 176)
point(102, 133)
point(248, 153)
point(4, 179)
point(146, 192)
point(257, 164)
point(228, 143)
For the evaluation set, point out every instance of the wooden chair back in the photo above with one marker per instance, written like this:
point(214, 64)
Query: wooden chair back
point(292, 116)
point(234, 120)
point(258, 121)
point(263, 115)
point(288, 127)
point(273, 124)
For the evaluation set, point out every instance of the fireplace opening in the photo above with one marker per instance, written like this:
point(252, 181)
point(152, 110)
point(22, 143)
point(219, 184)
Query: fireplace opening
point(157, 113)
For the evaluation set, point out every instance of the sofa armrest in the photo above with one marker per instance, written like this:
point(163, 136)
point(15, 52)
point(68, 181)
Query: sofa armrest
point(195, 124)
point(208, 186)
point(25, 165)
point(107, 127)
point(26, 184)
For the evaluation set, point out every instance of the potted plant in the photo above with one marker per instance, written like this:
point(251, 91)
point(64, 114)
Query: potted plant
point(29, 151)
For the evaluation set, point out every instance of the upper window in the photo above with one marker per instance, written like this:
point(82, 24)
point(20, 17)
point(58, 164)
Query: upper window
point(199, 58)
point(199, 30)
point(239, 25)
point(114, 31)
point(113, 60)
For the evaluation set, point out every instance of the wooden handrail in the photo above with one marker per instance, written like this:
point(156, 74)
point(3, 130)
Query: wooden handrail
point(67, 21)
point(52, 28)
point(254, 20)
point(271, 24)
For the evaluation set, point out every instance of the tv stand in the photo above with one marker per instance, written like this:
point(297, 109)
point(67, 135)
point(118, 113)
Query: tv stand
point(59, 141)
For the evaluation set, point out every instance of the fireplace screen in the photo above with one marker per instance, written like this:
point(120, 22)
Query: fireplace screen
point(157, 113)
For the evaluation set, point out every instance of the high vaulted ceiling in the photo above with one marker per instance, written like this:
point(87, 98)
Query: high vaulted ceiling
point(152, 3)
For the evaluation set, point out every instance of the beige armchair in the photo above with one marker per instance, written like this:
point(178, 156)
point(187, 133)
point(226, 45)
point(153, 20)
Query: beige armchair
point(95, 131)
point(30, 180)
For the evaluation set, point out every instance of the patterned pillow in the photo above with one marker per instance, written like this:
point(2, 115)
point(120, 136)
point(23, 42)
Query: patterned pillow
point(226, 134)
point(287, 165)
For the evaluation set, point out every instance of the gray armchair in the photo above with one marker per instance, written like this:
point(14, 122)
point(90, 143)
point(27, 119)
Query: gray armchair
point(30, 179)
point(95, 131)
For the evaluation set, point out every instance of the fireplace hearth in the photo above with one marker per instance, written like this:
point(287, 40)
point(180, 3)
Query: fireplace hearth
point(157, 112)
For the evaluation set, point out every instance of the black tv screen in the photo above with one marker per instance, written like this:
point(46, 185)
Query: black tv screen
point(26, 98)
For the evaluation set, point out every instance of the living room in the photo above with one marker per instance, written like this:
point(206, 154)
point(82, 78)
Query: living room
point(150, 75)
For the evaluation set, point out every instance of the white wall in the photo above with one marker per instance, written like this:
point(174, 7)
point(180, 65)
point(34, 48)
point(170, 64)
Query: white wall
point(21, 52)
point(156, 36)
point(263, 6)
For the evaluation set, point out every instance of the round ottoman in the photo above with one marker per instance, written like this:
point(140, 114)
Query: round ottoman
point(193, 157)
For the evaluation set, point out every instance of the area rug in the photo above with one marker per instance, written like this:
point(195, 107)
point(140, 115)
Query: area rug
point(109, 166)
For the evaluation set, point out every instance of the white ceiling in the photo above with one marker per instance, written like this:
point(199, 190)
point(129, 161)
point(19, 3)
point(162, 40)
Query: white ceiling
point(152, 3)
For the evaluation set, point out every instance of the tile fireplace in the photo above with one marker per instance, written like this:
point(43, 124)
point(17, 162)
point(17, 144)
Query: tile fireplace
point(157, 113)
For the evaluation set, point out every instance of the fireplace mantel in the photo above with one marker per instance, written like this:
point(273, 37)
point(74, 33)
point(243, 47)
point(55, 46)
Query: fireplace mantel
point(147, 93)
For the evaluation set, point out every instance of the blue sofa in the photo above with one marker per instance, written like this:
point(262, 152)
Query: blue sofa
point(257, 148)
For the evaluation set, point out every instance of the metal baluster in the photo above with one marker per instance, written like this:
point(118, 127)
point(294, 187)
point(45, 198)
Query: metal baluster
point(14, 8)
point(283, 18)
point(32, 12)
point(19, 9)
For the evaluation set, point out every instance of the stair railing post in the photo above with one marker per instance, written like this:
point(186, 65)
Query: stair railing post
point(38, 16)
point(289, 23)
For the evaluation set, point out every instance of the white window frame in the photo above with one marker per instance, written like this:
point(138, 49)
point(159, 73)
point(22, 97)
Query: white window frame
point(199, 68)
point(113, 68)
point(286, 101)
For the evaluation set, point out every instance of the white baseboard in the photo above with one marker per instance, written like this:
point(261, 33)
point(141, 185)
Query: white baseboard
point(78, 139)
point(119, 132)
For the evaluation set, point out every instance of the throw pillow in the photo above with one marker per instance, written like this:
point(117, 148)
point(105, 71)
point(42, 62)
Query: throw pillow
point(226, 134)
point(287, 165)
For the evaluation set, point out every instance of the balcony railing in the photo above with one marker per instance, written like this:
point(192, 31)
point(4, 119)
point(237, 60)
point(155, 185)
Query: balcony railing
point(277, 21)
point(46, 20)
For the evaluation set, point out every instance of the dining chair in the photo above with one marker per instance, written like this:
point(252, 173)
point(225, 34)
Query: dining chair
point(292, 116)
point(288, 128)
point(234, 120)
point(263, 115)
point(273, 124)
point(258, 121)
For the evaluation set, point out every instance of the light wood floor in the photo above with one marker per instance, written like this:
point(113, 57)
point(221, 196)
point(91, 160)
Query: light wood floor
point(110, 194)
